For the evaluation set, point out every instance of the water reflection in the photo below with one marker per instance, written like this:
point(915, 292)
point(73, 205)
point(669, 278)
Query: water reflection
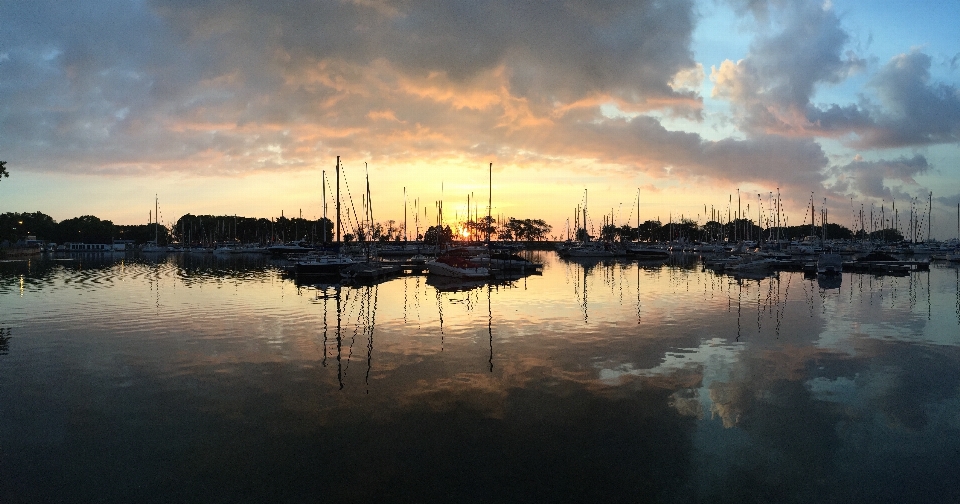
point(608, 380)
point(5, 335)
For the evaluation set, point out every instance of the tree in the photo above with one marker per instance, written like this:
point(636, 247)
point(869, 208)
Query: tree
point(527, 229)
point(650, 230)
point(608, 232)
point(86, 229)
point(436, 235)
point(16, 226)
point(627, 233)
point(3, 170)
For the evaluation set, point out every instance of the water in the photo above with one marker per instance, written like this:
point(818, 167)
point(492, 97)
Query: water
point(200, 379)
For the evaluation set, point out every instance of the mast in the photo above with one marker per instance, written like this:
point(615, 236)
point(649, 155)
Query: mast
point(813, 217)
point(156, 223)
point(338, 199)
point(369, 215)
point(585, 214)
point(739, 213)
point(489, 199)
point(323, 191)
point(779, 209)
point(823, 221)
point(759, 219)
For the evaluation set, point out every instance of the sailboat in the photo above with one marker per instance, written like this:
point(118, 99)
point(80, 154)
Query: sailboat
point(154, 245)
point(321, 263)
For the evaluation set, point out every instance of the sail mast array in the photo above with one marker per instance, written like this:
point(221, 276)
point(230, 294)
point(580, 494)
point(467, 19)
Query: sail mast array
point(771, 217)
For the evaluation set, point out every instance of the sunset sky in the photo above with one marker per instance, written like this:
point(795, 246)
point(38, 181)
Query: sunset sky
point(237, 107)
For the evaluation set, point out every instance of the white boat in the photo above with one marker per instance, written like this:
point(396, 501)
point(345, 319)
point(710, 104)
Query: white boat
point(228, 248)
point(323, 265)
point(457, 263)
point(151, 247)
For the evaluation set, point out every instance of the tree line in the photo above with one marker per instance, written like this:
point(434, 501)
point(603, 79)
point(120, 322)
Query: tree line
point(212, 229)
point(733, 231)
point(188, 229)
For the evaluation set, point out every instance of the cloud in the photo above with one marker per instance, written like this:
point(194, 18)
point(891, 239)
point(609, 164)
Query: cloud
point(916, 111)
point(872, 178)
point(772, 88)
point(909, 109)
point(644, 144)
point(232, 87)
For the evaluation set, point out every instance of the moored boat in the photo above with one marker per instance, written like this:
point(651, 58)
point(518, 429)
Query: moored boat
point(506, 261)
point(829, 264)
point(322, 265)
point(644, 252)
point(457, 263)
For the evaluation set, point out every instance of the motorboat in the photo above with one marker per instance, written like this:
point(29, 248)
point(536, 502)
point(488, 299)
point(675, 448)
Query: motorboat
point(322, 265)
point(457, 263)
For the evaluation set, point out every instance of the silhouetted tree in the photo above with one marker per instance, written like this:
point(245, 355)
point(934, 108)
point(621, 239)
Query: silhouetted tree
point(436, 235)
point(86, 229)
point(3, 170)
point(528, 229)
point(16, 226)
point(650, 231)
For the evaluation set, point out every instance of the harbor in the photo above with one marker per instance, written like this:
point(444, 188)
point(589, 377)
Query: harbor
point(225, 370)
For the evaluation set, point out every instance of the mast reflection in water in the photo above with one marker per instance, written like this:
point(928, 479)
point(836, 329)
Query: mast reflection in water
point(191, 378)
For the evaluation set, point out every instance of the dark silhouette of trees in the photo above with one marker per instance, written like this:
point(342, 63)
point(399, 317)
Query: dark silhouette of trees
point(527, 229)
point(3, 170)
point(209, 229)
point(437, 235)
point(86, 229)
point(17, 226)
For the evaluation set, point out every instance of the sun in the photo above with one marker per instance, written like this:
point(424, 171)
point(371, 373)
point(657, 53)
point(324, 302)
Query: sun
point(464, 233)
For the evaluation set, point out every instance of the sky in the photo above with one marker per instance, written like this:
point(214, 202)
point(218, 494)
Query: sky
point(683, 108)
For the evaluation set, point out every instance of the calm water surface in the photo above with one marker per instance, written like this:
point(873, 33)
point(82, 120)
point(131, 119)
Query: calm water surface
point(200, 379)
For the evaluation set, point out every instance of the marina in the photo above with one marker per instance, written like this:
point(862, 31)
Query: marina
point(225, 378)
point(681, 251)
